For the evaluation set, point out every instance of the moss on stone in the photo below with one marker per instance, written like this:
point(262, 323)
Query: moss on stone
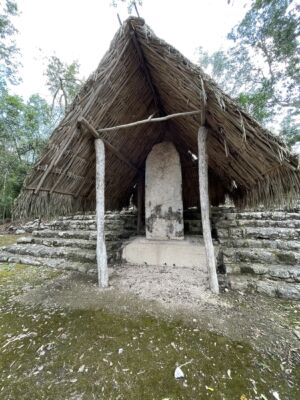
point(287, 258)
point(6, 240)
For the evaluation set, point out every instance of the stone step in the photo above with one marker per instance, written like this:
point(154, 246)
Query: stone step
point(260, 223)
point(89, 244)
point(80, 234)
point(72, 225)
point(262, 215)
point(58, 263)
point(66, 253)
point(287, 272)
point(78, 217)
point(260, 256)
point(113, 248)
point(122, 216)
point(259, 233)
point(262, 243)
point(116, 226)
point(269, 287)
point(69, 234)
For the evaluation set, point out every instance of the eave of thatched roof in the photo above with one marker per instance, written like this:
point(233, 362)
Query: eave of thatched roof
point(139, 76)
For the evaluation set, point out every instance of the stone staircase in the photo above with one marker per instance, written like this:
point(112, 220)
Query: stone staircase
point(70, 242)
point(260, 251)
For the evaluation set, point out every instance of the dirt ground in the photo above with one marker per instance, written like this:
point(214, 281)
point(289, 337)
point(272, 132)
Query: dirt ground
point(268, 324)
point(63, 338)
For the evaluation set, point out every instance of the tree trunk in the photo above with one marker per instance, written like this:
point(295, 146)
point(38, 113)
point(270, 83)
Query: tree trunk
point(100, 214)
point(204, 202)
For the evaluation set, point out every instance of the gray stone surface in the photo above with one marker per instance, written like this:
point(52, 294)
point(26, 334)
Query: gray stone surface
point(163, 203)
point(261, 251)
point(70, 242)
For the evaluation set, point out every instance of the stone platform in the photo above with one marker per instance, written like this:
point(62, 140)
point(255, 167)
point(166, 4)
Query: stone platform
point(189, 252)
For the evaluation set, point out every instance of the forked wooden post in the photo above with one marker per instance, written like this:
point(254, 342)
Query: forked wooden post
point(100, 214)
point(204, 202)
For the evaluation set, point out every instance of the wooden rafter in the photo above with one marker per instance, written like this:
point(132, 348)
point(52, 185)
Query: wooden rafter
point(116, 152)
point(143, 64)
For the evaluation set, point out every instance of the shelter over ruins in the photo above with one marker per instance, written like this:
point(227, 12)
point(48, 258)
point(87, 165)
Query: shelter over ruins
point(142, 76)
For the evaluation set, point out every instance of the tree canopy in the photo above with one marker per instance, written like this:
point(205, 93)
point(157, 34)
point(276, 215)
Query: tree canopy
point(25, 125)
point(261, 69)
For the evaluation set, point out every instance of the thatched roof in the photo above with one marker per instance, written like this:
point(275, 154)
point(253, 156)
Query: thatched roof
point(139, 76)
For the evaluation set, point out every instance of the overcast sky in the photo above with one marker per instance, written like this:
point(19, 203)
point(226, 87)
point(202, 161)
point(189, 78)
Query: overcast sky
point(82, 30)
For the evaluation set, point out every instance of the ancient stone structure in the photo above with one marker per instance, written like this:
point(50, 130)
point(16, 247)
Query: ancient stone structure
point(260, 251)
point(70, 242)
point(164, 210)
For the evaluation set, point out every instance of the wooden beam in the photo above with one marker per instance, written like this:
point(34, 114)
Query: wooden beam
point(48, 190)
point(204, 202)
point(146, 121)
point(100, 214)
point(92, 130)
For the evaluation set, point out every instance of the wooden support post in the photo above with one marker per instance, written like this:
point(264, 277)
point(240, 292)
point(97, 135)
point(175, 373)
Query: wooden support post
point(100, 214)
point(204, 202)
point(139, 203)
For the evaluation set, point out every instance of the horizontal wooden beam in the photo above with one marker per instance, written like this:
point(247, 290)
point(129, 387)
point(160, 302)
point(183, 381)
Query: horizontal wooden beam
point(83, 122)
point(146, 121)
point(48, 190)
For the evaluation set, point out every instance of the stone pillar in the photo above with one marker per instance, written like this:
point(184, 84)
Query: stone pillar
point(163, 197)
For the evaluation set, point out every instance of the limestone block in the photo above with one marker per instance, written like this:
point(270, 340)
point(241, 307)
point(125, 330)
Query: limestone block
point(164, 209)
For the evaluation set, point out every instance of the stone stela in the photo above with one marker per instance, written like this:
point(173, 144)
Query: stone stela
point(163, 204)
point(165, 244)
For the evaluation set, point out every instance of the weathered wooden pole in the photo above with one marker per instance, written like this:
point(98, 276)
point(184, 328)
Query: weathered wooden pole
point(204, 202)
point(100, 214)
point(139, 203)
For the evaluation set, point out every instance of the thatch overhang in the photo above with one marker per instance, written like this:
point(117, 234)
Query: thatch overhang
point(139, 76)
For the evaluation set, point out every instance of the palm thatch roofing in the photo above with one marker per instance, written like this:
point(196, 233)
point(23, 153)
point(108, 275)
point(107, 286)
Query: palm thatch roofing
point(139, 76)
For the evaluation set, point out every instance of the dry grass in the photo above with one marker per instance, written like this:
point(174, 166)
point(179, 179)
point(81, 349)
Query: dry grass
point(139, 76)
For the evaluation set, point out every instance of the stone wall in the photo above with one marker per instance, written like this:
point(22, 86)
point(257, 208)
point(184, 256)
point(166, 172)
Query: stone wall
point(70, 242)
point(260, 251)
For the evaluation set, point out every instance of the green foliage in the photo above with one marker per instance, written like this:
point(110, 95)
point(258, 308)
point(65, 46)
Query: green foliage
point(270, 29)
point(262, 67)
point(290, 128)
point(63, 83)
point(24, 127)
point(8, 49)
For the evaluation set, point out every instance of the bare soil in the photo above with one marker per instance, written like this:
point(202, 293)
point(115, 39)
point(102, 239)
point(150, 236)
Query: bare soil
point(268, 324)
